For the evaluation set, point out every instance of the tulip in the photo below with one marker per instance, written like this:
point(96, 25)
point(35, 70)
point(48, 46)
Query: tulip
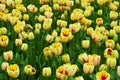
point(65, 58)
point(8, 55)
point(3, 30)
point(13, 70)
point(56, 6)
point(54, 33)
point(23, 35)
point(18, 1)
point(113, 24)
point(24, 47)
point(111, 62)
point(89, 30)
point(108, 52)
point(85, 43)
point(83, 57)
point(103, 75)
point(46, 72)
point(4, 65)
point(112, 33)
point(38, 26)
point(18, 42)
point(56, 48)
point(74, 28)
point(25, 17)
point(118, 46)
point(79, 78)
point(96, 36)
point(10, 3)
point(32, 8)
point(66, 35)
point(49, 38)
point(48, 14)
point(4, 40)
point(118, 71)
point(99, 21)
point(110, 43)
point(103, 67)
point(29, 70)
point(37, 31)
point(94, 59)
point(31, 36)
point(47, 52)
point(17, 13)
point(101, 2)
point(115, 54)
point(88, 68)
point(19, 27)
point(117, 29)
point(113, 15)
point(100, 12)
point(46, 25)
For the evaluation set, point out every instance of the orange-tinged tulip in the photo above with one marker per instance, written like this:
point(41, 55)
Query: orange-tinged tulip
point(4, 65)
point(83, 57)
point(88, 68)
point(8, 55)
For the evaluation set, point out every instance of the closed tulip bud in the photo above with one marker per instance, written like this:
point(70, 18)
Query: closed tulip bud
point(4, 65)
point(115, 38)
point(94, 59)
point(83, 57)
point(38, 26)
point(99, 12)
point(110, 43)
point(63, 17)
point(117, 29)
point(49, 38)
point(113, 15)
point(41, 18)
point(25, 17)
point(8, 55)
point(56, 6)
point(85, 43)
point(24, 47)
point(54, 33)
point(115, 54)
point(111, 62)
point(37, 31)
point(31, 36)
point(13, 71)
point(89, 30)
point(46, 72)
point(88, 68)
point(3, 30)
point(79, 78)
point(23, 35)
point(112, 33)
point(18, 42)
point(104, 38)
point(103, 67)
point(103, 75)
point(118, 46)
point(65, 58)
point(46, 25)
point(118, 71)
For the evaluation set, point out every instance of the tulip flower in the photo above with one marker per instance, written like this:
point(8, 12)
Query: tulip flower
point(110, 43)
point(13, 70)
point(111, 62)
point(24, 47)
point(8, 55)
point(4, 65)
point(103, 75)
point(88, 68)
point(4, 40)
point(66, 58)
point(103, 67)
point(29, 70)
point(83, 57)
point(46, 72)
point(18, 42)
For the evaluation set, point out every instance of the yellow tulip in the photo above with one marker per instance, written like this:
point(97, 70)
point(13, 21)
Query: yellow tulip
point(46, 72)
point(103, 75)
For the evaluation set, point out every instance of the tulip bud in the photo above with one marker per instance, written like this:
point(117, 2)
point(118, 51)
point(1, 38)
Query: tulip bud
point(4, 65)
point(37, 31)
point(118, 46)
point(56, 6)
point(30, 36)
point(83, 57)
point(111, 62)
point(25, 17)
point(38, 26)
point(3, 30)
point(103, 67)
point(118, 71)
point(24, 47)
point(54, 33)
point(89, 30)
point(18, 1)
point(46, 72)
point(29, 70)
point(79, 78)
point(65, 58)
point(99, 21)
point(8, 55)
point(115, 54)
point(18, 42)
point(88, 68)
point(49, 38)
point(113, 24)
point(115, 38)
point(13, 71)
point(112, 33)
point(85, 43)
point(113, 15)
point(99, 12)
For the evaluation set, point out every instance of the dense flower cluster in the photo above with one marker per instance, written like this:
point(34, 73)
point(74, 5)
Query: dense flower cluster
point(60, 39)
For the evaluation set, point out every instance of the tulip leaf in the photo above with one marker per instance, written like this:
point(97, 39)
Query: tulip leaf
point(71, 78)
